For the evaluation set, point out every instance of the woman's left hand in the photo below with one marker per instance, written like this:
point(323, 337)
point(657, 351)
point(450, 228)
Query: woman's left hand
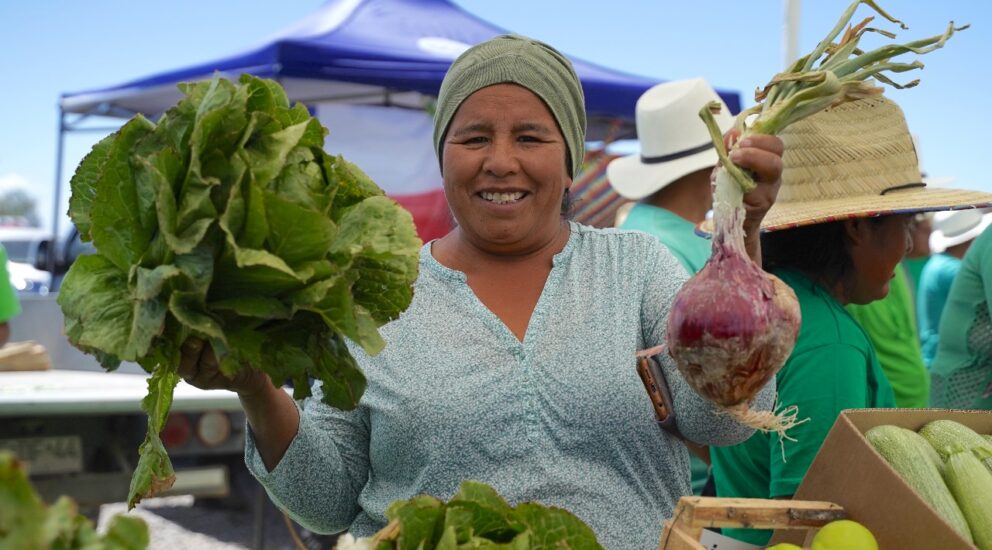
point(762, 156)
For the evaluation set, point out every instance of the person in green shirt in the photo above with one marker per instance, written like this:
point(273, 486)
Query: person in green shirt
point(961, 373)
point(670, 179)
point(919, 254)
point(952, 236)
point(890, 324)
point(836, 235)
point(9, 306)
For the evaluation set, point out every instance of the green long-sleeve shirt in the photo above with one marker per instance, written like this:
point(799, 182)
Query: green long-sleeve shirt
point(961, 372)
point(891, 326)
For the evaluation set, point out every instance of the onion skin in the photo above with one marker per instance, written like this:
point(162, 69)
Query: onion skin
point(732, 326)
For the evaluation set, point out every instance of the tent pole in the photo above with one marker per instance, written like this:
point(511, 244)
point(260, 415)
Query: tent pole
point(790, 32)
point(56, 209)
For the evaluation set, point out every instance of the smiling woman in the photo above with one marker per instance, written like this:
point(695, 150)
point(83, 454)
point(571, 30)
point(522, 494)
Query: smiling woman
point(511, 156)
point(508, 177)
point(515, 363)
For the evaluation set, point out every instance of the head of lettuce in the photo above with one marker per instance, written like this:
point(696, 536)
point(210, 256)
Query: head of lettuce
point(227, 221)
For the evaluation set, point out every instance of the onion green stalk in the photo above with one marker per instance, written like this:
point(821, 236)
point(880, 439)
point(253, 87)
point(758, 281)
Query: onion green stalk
point(831, 74)
point(717, 364)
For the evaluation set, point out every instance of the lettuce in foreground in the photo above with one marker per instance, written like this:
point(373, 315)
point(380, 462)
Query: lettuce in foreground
point(226, 221)
point(26, 522)
point(476, 517)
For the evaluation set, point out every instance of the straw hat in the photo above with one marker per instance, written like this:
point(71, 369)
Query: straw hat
point(957, 227)
point(674, 140)
point(856, 160)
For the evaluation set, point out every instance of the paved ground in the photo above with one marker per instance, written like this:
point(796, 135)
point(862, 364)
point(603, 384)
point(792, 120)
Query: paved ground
point(181, 523)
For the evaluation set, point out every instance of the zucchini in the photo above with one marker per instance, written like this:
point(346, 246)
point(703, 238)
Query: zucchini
point(971, 484)
point(913, 459)
point(946, 434)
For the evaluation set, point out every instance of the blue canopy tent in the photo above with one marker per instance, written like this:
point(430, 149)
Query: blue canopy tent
point(391, 53)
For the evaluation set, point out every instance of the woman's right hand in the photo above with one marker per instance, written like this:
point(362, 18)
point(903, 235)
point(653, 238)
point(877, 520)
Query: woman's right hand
point(198, 366)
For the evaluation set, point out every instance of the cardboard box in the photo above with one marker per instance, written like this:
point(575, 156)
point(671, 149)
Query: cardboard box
point(849, 472)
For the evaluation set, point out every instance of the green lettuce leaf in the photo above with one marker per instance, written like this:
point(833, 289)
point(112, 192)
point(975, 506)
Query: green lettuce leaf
point(343, 381)
point(554, 528)
point(154, 472)
point(418, 518)
point(296, 233)
point(84, 183)
point(353, 185)
point(477, 510)
point(477, 517)
point(302, 181)
point(102, 312)
point(25, 521)
point(227, 222)
point(117, 224)
point(126, 533)
point(382, 248)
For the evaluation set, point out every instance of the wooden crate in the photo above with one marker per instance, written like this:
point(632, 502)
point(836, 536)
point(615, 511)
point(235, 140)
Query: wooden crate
point(693, 514)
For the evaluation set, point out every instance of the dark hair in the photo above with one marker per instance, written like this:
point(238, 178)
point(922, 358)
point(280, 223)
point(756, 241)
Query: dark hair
point(820, 251)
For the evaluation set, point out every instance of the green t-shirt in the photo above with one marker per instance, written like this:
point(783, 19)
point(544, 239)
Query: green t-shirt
point(935, 284)
point(961, 372)
point(692, 251)
point(9, 306)
point(832, 368)
point(914, 269)
point(891, 327)
point(674, 231)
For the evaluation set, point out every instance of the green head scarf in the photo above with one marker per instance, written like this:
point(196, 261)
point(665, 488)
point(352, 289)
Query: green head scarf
point(526, 62)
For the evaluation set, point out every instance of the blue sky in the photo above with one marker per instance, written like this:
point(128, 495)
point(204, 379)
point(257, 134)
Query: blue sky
point(54, 46)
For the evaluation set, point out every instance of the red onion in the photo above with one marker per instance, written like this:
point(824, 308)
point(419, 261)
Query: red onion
point(732, 325)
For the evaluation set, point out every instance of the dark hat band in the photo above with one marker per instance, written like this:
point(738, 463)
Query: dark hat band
point(901, 187)
point(676, 156)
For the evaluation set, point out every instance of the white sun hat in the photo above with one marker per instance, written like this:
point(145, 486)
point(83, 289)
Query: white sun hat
point(957, 227)
point(674, 140)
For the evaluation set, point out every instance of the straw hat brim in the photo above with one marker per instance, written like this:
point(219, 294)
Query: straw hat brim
point(904, 201)
point(633, 179)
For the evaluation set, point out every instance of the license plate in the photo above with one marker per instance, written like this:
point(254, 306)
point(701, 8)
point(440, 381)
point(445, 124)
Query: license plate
point(47, 455)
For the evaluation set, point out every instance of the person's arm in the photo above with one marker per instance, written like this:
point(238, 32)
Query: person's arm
point(274, 421)
point(313, 460)
point(762, 156)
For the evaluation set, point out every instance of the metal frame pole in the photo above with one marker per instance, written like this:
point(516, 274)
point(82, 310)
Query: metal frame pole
point(57, 208)
point(790, 32)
